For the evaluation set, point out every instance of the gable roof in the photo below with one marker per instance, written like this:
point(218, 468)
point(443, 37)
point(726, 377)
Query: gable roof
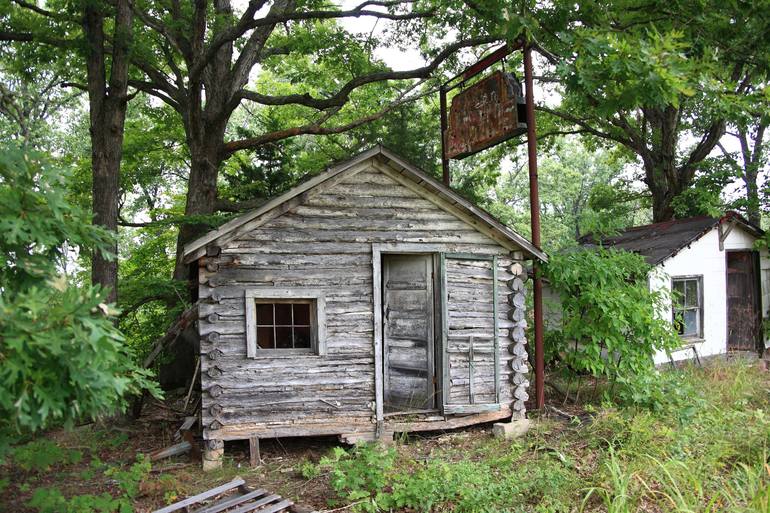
point(427, 185)
point(660, 241)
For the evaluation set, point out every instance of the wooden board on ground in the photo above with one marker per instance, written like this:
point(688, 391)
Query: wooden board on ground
point(233, 497)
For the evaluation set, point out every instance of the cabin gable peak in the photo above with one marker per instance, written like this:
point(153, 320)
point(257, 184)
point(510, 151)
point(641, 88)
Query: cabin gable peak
point(377, 159)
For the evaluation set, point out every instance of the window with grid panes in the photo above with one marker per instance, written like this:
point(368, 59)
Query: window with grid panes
point(284, 321)
point(284, 325)
point(687, 309)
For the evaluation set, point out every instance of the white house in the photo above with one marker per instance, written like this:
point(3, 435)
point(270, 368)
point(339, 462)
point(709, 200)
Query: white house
point(721, 280)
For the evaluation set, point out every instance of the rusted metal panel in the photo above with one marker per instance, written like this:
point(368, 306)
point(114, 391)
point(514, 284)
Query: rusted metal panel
point(485, 114)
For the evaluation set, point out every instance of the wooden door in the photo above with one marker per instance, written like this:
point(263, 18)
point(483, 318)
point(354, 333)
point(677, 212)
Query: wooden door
point(743, 312)
point(407, 303)
point(469, 338)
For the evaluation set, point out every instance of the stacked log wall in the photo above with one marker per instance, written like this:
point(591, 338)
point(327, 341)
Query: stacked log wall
point(324, 243)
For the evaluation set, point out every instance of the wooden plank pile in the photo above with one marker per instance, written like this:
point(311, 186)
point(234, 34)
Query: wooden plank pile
point(233, 497)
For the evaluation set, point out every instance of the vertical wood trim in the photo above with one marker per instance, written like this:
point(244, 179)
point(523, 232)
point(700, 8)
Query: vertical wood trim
point(471, 371)
point(321, 324)
point(377, 302)
point(430, 301)
point(251, 327)
point(384, 345)
point(444, 331)
point(496, 336)
point(437, 324)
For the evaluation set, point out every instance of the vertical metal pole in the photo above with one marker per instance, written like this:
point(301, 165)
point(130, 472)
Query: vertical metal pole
point(534, 200)
point(444, 126)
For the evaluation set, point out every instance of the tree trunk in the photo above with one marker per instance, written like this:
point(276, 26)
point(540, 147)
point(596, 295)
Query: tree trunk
point(661, 204)
point(752, 162)
point(107, 113)
point(752, 195)
point(201, 194)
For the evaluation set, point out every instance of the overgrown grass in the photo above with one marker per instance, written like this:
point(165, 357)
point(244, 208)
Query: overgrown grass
point(704, 451)
point(703, 448)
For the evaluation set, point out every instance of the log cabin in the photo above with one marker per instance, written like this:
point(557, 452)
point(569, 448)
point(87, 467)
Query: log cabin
point(370, 299)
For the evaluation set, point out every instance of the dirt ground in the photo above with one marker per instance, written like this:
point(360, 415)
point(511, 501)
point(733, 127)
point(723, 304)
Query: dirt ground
point(172, 479)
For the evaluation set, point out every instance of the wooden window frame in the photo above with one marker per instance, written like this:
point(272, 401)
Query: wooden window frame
point(314, 297)
point(700, 308)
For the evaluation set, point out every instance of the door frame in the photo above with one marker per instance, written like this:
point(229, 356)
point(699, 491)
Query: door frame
point(757, 269)
point(428, 260)
point(378, 249)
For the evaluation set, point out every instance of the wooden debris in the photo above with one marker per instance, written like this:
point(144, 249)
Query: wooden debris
point(188, 423)
point(173, 450)
point(172, 334)
point(192, 383)
point(234, 497)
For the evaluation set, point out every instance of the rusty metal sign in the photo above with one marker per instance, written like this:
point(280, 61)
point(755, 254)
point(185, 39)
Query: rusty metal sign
point(487, 113)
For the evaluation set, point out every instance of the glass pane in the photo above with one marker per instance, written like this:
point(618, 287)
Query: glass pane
point(690, 322)
point(265, 338)
point(302, 337)
point(691, 298)
point(678, 295)
point(678, 322)
point(302, 314)
point(264, 314)
point(283, 314)
point(282, 337)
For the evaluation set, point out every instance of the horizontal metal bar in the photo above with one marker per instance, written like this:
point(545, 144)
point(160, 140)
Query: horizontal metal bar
point(483, 63)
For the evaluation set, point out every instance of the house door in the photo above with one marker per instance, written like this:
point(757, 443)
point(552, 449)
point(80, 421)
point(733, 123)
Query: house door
point(408, 324)
point(743, 312)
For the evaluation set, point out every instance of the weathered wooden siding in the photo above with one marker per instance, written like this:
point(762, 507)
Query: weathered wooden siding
point(470, 305)
point(325, 243)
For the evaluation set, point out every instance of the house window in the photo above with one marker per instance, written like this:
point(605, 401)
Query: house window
point(688, 306)
point(284, 321)
point(284, 325)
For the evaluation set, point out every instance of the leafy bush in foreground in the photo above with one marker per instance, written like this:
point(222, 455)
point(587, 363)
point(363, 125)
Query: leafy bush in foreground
point(61, 357)
point(610, 324)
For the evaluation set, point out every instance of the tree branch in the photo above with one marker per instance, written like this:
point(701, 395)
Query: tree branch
point(74, 85)
point(27, 37)
point(252, 50)
point(225, 37)
point(585, 126)
point(151, 89)
point(43, 12)
point(341, 97)
point(704, 146)
point(247, 22)
point(317, 127)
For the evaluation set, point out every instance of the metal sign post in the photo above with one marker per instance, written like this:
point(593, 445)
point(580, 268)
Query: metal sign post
point(531, 129)
point(534, 206)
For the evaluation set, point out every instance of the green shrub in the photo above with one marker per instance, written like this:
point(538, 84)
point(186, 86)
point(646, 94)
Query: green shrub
point(610, 325)
point(360, 473)
point(61, 356)
point(40, 455)
point(51, 500)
